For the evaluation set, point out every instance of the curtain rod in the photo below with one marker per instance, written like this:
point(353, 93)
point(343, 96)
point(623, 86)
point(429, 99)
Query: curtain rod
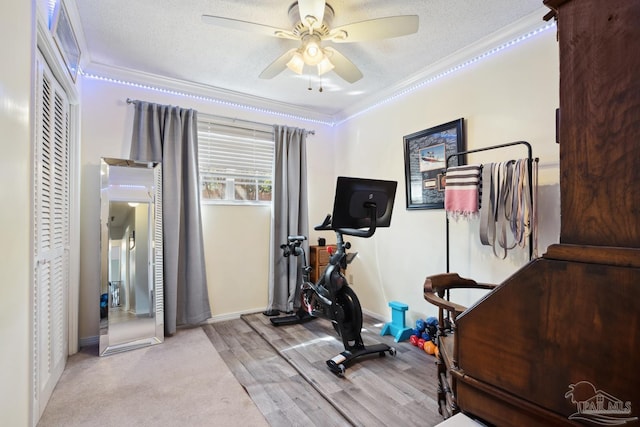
point(311, 132)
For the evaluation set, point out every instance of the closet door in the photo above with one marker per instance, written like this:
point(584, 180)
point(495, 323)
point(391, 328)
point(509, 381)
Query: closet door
point(51, 236)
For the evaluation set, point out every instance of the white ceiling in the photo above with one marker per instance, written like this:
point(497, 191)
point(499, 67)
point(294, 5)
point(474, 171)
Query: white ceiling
point(167, 39)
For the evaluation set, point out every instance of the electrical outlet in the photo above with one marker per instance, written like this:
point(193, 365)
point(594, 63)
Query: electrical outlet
point(351, 279)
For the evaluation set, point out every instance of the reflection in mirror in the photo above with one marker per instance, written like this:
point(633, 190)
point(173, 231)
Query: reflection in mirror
point(131, 293)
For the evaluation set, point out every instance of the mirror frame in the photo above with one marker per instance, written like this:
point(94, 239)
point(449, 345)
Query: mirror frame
point(153, 194)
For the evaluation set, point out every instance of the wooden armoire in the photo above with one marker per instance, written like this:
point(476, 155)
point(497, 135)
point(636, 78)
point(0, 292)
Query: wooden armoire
point(558, 342)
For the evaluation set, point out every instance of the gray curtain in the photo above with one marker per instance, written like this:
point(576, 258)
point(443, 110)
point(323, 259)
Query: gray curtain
point(168, 134)
point(290, 216)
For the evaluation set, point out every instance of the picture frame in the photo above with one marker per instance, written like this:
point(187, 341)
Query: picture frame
point(65, 39)
point(425, 161)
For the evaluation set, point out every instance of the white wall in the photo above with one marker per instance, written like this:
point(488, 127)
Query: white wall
point(507, 97)
point(16, 120)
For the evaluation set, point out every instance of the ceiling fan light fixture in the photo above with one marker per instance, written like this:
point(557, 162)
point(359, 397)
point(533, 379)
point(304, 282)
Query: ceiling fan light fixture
point(325, 66)
point(312, 25)
point(312, 53)
point(296, 63)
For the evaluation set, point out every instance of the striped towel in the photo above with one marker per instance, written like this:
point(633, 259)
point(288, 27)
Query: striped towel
point(461, 191)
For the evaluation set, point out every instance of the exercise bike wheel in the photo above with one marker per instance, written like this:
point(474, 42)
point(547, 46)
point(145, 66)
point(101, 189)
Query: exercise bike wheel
point(351, 313)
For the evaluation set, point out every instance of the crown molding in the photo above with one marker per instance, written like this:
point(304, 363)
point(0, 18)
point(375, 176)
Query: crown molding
point(206, 93)
point(506, 37)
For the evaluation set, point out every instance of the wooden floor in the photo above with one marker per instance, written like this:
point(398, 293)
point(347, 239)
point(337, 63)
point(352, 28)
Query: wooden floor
point(283, 369)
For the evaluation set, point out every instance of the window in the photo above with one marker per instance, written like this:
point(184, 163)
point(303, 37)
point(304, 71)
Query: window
point(235, 161)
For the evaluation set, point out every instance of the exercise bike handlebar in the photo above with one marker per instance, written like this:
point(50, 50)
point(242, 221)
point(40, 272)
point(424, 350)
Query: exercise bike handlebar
point(357, 232)
point(293, 246)
point(326, 224)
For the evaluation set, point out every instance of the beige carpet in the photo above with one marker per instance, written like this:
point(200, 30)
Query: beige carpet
point(182, 382)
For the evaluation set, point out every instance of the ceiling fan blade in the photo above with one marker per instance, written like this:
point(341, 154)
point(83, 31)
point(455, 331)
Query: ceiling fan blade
point(313, 9)
point(252, 27)
point(277, 66)
point(375, 29)
point(342, 66)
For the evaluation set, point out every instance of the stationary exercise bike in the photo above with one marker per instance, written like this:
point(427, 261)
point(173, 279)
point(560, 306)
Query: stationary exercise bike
point(361, 205)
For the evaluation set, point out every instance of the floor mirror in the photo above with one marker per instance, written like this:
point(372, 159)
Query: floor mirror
point(131, 279)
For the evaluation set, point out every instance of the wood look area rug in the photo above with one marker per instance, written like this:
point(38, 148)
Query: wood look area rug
point(284, 371)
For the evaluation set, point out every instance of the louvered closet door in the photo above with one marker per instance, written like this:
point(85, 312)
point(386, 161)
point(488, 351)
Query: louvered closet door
point(51, 236)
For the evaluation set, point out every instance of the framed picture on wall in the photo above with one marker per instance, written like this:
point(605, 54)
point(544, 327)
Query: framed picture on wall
point(66, 40)
point(425, 161)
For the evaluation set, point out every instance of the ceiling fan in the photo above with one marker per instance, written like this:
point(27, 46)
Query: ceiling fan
point(311, 20)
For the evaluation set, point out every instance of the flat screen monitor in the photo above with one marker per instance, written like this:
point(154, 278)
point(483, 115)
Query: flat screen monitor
point(349, 210)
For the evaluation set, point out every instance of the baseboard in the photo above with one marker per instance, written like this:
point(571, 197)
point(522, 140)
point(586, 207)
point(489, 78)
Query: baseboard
point(232, 316)
point(236, 315)
point(95, 340)
point(376, 316)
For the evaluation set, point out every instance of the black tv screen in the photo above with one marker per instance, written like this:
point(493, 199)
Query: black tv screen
point(352, 194)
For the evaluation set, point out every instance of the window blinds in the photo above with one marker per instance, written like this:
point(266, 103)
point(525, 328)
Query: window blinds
point(232, 155)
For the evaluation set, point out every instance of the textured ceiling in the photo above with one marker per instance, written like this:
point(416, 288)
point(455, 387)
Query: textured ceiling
point(167, 38)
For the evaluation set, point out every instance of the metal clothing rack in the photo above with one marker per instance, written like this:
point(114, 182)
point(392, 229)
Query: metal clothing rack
point(494, 147)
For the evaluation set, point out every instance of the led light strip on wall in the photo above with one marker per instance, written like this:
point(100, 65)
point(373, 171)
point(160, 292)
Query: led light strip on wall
point(205, 99)
point(453, 69)
point(333, 123)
